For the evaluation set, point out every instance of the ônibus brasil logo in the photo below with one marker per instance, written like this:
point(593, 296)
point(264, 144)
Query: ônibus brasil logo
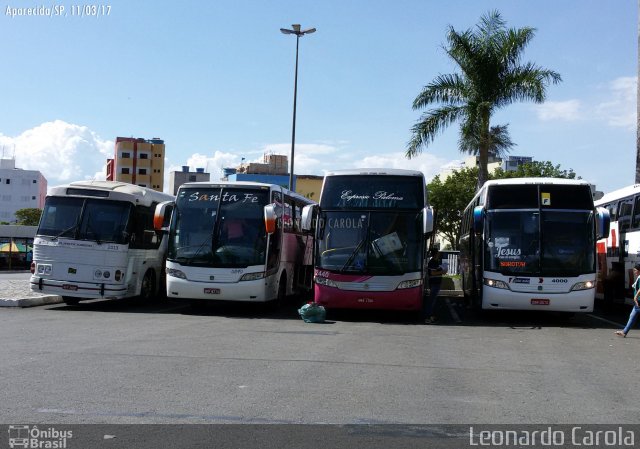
point(24, 436)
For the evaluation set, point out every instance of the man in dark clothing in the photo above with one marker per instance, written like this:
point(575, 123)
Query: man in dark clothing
point(435, 270)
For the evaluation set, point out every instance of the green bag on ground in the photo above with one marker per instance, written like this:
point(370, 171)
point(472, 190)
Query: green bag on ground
point(312, 313)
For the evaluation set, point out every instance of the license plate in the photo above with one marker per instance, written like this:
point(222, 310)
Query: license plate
point(539, 302)
point(212, 291)
point(69, 287)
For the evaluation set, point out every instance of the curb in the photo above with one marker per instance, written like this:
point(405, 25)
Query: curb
point(31, 301)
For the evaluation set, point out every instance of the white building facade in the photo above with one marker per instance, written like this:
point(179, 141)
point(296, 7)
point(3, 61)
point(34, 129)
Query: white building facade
point(19, 189)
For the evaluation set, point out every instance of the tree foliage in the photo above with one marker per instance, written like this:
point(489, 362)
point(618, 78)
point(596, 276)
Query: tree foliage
point(450, 196)
point(491, 76)
point(29, 216)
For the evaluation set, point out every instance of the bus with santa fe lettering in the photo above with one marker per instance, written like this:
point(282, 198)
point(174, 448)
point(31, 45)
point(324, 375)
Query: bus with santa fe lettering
point(236, 241)
point(620, 251)
point(370, 241)
point(530, 244)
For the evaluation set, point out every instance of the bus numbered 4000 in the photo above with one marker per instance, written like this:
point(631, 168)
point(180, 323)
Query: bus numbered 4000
point(620, 251)
point(236, 241)
point(96, 239)
point(370, 246)
point(529, 244)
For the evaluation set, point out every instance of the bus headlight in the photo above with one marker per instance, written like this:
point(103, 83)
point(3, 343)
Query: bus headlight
point(496, 284)
point(410, 284)
point(176, 273)
point(252, 276)
point(586, 285)
point(325, 281)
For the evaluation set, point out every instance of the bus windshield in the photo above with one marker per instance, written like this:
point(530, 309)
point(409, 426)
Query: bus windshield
point(219, 227)
point(376, 243)
point(534, 243)
point(85, 219)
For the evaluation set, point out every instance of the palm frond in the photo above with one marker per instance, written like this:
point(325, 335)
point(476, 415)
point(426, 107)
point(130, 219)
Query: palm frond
point(429, 125)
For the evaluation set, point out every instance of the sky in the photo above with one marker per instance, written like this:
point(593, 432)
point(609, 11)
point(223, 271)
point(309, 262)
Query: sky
point(215, 81)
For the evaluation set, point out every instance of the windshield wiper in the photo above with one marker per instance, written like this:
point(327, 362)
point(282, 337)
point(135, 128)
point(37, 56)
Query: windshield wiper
point(354, 253)
point(55, 237)
point(92, 230)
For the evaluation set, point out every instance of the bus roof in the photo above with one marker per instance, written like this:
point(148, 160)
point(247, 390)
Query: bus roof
point(243, 184)
point(375, 171)
point(120, 190)
point(620, 193)
point(520, 181)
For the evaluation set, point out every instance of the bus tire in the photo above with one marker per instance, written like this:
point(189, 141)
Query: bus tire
point(70, 300)
point(148, 287)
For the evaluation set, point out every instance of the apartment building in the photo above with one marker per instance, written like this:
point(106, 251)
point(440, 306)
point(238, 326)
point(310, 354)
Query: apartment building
point(138, 161)
point(19, 189)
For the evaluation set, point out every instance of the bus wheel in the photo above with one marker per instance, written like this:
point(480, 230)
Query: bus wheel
point(148, 289)
point(70, 300)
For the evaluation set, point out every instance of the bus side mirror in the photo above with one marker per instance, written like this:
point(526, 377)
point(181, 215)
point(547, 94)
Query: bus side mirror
point(306, 219)
point(270, 218)
point(478, 219)
point(427, 220)
point(162, 216)
point(603, 223)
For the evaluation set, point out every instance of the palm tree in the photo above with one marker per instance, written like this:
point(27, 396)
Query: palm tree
point(499, 141)
point(491, 77)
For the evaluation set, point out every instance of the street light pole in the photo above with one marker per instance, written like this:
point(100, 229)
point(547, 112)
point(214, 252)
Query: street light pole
point(296, 30)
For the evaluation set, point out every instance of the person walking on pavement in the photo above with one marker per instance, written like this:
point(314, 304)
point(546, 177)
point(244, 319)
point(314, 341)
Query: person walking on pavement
point(435, 270)
point(636, 306)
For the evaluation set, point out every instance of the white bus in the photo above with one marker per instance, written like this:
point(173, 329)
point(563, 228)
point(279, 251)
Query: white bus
point(96, 239)
point(529, 244)
point(620, 251)
point(371, 239)
point(237, 241)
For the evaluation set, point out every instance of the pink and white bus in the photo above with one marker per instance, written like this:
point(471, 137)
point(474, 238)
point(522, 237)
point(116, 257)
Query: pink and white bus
point(370, 244)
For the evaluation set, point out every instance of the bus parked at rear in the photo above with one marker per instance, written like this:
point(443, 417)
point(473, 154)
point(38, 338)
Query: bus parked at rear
point(370, 248)
point(96, 239)
point(620, 251)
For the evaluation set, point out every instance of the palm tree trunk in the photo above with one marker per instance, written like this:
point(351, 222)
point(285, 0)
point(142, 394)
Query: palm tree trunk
point(483, 151)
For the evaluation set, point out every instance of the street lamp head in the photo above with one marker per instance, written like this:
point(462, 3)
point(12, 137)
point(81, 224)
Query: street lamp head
point(296, 27)
point(285, 31)
point(309, 31)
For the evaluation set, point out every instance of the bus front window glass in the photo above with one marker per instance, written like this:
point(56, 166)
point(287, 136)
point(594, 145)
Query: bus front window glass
point(513, 245)
point(191, 230)
point(241, 235)
point(567, 248)
point(342, 241)
point(395, 243)
point(104, 221)
point(60, 216)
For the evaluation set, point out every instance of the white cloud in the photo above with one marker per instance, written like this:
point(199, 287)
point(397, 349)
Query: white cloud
point(559, 110)
point(620, 109)
point(61, 151)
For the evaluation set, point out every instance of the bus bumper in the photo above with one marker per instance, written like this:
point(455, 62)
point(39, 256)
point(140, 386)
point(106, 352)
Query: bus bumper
point(335, 298)
point(84, 290)
point(503, 299)
point(247, 291)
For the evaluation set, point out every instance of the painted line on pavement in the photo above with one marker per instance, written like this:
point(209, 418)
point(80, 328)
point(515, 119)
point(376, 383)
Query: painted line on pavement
point(605, 320)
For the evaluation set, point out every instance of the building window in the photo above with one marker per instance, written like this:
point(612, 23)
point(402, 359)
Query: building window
point(142, 171)
point(126, 155)
point(125, 171)
point(192, 177)
point(144, 156)
point(34, 181)
point(142, 185)
point(8, 181)
point(33, 197)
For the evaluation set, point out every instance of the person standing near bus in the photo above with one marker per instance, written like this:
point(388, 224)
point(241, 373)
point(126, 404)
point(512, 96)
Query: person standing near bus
point(636, 306)
point(435, 270)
